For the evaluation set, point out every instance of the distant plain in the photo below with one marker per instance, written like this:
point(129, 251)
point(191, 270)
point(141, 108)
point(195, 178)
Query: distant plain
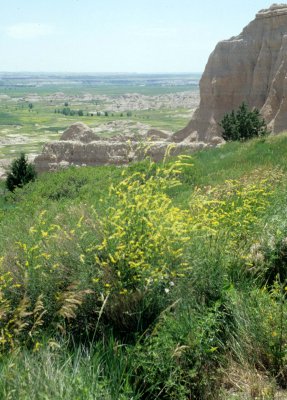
point(31, 106)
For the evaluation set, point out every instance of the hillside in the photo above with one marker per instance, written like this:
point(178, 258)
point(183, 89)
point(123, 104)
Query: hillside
point(149, 281)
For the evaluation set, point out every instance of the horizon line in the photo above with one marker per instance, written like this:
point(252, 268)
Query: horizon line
point(100, 72)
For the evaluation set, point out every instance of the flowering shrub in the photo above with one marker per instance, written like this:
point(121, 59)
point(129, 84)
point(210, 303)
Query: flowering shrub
point(119, 263)
point(231, 211)
point(67, 270)
point(142, 249)
point(143, 234)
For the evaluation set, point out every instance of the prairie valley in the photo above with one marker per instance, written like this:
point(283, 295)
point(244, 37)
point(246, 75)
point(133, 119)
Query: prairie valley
point(36, 108)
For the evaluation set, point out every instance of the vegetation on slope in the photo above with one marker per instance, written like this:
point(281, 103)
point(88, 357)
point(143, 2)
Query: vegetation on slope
point(244, 124)
point(159, 281)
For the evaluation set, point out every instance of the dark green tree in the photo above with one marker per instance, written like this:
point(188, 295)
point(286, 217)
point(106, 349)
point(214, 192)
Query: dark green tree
point(66, 111)
point(21, 172)
point(243, 124)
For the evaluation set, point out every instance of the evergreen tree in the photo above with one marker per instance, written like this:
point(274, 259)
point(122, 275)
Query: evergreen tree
point(21, 172)
point(243, 124)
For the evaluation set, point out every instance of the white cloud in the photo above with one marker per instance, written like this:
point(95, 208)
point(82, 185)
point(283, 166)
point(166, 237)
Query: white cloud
point(28, 30)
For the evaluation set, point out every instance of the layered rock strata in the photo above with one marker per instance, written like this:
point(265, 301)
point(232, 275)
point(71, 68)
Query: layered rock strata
point(250, 67)
point(79, 145)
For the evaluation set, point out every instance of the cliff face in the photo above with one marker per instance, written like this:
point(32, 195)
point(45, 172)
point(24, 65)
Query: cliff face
point(251, 67)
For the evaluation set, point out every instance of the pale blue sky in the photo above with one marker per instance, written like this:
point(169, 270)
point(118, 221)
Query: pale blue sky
point(117, 35)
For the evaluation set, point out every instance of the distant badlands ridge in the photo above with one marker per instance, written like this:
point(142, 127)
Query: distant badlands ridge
point(250, 67)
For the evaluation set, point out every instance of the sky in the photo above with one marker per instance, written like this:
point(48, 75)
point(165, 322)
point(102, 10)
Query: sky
point(148, 36)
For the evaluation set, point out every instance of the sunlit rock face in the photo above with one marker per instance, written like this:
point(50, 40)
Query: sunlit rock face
point(250, 67)
point(80, 146)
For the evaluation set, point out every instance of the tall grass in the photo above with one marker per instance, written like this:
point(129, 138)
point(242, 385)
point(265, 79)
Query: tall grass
point(56, 371)
point(164, 282)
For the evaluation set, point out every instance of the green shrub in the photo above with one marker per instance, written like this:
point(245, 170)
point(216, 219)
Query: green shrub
point(231, 211)
point(275, 261)
point(243, 124)
point(21, 172)
point(69, 269)
point(179, 360)
point(259, 336)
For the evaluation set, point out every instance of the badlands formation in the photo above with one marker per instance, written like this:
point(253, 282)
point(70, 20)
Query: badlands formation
point(250, 67)
point(80, 145)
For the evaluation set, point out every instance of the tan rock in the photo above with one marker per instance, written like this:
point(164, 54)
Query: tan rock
point(217, 141)
point(80, 132)
point(250, 67)
point(63, 153)
point(155, 134)
point(193, 137)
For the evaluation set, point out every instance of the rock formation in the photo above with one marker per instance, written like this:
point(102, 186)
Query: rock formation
point(251, 67)
point(79, 132)
point(79, 145)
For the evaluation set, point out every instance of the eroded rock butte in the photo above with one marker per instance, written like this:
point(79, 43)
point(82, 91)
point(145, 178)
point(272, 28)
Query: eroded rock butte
point(250, 67)
point(79, 145)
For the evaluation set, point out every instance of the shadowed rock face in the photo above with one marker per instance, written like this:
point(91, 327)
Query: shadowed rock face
point(250, 67)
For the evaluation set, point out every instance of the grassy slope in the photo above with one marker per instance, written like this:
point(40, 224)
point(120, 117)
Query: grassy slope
point(211, 167)
point(65, 191)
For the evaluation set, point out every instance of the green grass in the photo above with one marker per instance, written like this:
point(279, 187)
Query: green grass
point(8, 119)
point(58, 372)
point(189, 281)
point(42, 124)
point(236, 159)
